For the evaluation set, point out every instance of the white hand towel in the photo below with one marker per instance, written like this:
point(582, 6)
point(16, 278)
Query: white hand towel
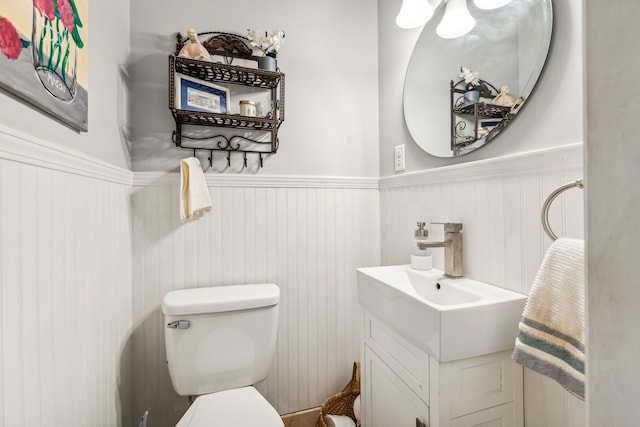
point(194, 193)
point(551, 337)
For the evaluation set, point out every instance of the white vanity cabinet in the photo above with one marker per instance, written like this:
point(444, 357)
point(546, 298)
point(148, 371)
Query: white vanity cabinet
point(403, 386)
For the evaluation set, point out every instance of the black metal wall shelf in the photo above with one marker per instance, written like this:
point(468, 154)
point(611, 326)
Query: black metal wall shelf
point(224, 120)
point(247, 132)
point(227, 73)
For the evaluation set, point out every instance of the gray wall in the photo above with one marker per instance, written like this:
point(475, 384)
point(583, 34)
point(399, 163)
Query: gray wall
point(329, 57)
point(108, 54)
point(613, 203)
point(552, 116)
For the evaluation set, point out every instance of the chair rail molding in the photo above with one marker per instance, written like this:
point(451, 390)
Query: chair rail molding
point(560, 158)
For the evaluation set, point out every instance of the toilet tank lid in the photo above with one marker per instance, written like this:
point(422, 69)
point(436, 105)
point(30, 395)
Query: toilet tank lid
point(220, 299)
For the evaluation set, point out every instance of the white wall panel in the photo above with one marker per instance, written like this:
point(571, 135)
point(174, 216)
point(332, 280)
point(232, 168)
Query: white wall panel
point(308, 241)
point(613, 203)
point(71, 354)
point(65, 297)
point(499, 205)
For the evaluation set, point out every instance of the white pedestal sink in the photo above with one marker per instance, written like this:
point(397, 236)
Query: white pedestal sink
point(448, 318)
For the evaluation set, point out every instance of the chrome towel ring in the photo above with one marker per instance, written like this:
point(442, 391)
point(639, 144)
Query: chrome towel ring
point(547, 205)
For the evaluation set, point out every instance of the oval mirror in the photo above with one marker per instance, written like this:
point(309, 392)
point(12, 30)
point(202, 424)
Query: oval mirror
point(502, 58)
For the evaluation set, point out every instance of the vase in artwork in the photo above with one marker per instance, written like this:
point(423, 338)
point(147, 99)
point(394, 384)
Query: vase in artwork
point(55, 42)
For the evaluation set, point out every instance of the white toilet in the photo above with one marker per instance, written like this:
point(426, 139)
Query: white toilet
point(220, 341)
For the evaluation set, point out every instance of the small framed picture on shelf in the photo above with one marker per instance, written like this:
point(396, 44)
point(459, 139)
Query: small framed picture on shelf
point(198, 95)
point(490, 123)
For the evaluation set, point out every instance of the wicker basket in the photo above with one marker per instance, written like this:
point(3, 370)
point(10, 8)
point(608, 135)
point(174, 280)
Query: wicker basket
point(342, 403)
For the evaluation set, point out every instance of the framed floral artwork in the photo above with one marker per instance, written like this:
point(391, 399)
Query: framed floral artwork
point(44, 56)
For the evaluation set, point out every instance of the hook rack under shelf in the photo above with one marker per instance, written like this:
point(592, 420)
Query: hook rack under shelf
point(230, 145)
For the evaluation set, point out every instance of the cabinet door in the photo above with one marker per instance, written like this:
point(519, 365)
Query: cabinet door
point(500, 416)
point(387, 400)
point(406, 360)
point(477, 383)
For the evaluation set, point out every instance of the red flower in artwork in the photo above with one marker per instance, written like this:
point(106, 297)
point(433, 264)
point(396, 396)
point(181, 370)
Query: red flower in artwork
point(66, 13)
point(10, 43)
point(46, 8)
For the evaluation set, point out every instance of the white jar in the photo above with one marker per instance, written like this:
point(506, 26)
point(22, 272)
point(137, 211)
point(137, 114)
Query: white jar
point(247, 108)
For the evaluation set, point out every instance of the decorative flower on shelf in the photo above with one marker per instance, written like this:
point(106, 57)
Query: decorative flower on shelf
point(473, 82)
point(269, 44)
point(470, 78)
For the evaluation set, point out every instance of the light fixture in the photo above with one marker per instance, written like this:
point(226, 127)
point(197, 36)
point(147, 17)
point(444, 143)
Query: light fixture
point(457, 21)
point(414, 13)
point(490, 4)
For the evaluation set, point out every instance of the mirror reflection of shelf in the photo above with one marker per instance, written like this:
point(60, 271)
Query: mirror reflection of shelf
point(484, 118)
point(483, 109)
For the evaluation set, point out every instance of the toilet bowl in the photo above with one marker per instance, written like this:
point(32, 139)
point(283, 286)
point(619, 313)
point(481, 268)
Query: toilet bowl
point(240, 407)
point(219, 342)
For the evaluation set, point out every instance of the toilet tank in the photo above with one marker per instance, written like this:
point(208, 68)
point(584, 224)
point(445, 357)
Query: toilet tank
point(219, 338)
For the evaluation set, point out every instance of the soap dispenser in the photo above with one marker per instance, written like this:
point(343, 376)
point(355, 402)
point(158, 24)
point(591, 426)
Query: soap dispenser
point(420, 258)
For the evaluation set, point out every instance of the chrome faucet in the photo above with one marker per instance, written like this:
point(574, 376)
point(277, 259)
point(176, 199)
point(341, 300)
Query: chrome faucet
point(452, 245)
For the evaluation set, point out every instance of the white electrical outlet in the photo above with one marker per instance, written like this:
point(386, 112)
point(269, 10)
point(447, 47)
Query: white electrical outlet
point(398, 158)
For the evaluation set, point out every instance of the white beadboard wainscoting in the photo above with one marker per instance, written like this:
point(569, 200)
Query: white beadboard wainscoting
point(85, 258)
point(498, 202)
point(307, 235)
point(65, 287)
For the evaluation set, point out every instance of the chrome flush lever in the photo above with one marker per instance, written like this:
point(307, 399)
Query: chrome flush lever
point(179, 324)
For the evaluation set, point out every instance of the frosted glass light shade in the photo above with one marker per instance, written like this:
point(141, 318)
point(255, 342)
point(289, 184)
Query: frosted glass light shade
point(414, 13)
point(490, 4)
point(457, 21)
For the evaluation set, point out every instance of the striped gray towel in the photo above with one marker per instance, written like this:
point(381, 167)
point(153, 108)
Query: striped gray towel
point(551, 336)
